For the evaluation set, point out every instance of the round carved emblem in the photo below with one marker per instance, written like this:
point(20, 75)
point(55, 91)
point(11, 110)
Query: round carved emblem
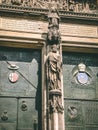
point(13, 77)
point(82, 77)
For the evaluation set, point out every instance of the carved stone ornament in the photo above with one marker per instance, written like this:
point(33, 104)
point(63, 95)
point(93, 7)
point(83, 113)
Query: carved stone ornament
point(13, 67)
point(4, 116)
point(13, 77)
point(55, 102)
point(72, 112)
point(84, 6)
point(82, 74)
point(53, 35)
point(24, 106)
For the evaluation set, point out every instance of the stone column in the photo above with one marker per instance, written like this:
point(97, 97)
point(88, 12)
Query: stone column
point(54, 73)
point(97, 4)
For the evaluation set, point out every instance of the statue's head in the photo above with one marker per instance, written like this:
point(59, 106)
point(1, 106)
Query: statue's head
point(54, 48)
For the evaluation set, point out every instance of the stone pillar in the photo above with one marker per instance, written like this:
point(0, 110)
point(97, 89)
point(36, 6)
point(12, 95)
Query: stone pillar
point(54, 73)
point(97, 4)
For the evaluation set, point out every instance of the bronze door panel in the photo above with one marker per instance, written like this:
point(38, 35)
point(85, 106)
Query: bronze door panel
point(27, 68)
point(74, 89)
point(73, 113)
point(80, 80)
point(20, 89)
point(91, 112)
point(8, 113)
point(27, 114)
point(74, 128)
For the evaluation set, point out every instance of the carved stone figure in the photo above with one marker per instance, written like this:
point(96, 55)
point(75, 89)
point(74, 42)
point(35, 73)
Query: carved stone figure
point(71, 5)
point(65, 5)
point(54, 69)
point(26, 3)
point(16, 2)
point(6, 2)
point(53, 35)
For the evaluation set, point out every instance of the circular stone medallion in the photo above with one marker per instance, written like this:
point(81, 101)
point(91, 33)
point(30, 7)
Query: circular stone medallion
point(13, 77)
point(82, 78)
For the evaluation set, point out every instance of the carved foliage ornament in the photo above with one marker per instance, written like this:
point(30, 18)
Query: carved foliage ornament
point(84, 6)
point(55, 102)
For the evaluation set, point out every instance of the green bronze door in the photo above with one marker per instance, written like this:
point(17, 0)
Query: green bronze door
point(20, 89)
point(80, 78)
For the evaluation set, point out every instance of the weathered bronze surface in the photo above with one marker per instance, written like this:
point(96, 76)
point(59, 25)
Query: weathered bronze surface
point(81, 100)
point(20, 101)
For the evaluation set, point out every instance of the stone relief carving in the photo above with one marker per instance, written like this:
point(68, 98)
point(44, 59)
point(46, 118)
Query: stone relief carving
point(54, 68)
point(24, 106)
point(84, 6)
point(72, 112)
point(4, 116)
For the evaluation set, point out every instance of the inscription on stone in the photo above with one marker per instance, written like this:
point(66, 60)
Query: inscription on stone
point(22, 25)
point(79, 30)
point(15, 24)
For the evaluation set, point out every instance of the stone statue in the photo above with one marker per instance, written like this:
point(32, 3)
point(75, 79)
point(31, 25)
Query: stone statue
point(71, 5)
point(54, 68)
point(53, 36)
point(0, 1)
point(16, 2)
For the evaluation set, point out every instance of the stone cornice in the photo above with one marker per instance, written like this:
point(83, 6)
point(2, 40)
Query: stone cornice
point(28, 11)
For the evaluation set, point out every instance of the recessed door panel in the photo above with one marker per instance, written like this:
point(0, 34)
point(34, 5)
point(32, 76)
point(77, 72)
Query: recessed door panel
point(8, 113)
point(92, 128)
point(73, 113)
point(77, 84)
point(91, 112)
point(74, 128)
point(27, 114)
point(27, 70)
point(8, 126)
point(20, 89)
